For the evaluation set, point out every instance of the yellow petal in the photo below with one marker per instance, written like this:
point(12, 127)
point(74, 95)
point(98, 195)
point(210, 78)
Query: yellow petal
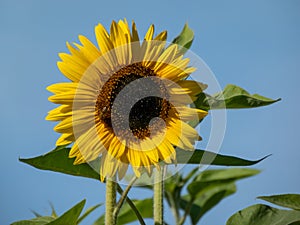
point(161, 36)
point(124, 26)
point(134, 158)
point(122, 170)
point(149, 34)
point(69, 72)
point(166, 151)
point(116, 148)
point(65, 139)
point(62, 87)
point(189, 114)
point(89, 50)
point(193, 86)
point(121, 42)
point(166, 58)
point(103, 40)
point(135, 35)
point(59, 113)
point(80, 64)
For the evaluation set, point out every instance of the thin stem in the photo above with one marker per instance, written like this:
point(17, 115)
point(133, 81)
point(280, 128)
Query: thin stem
point(132, 206)
point(158, 189)
point(123, 197)
point(174, 208)
point(186, 212)
point(110, 201)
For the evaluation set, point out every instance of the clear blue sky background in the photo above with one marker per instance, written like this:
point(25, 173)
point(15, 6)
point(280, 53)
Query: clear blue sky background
point(254, 44)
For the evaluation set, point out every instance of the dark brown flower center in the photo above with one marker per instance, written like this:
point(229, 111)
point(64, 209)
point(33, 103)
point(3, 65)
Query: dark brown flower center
point(142, 111)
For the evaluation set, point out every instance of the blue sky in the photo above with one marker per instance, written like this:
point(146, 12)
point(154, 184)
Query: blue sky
point(253, 44)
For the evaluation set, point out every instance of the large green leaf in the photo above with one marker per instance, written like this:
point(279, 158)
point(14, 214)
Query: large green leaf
point(264, 215)
point(68, 218)
point(88, 212)
point(71, 216)
point(206, 201)
point(231, 174)
point(291, 201)
point(184, 39)
point(126, 214)
point(206, 189)
point(209, 187)
point(213, 178)
point(59, 161)
point(211, 158)
point(43, 220)
point(232, 97)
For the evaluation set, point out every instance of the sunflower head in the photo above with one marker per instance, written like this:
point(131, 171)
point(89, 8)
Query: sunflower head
point(128, 100)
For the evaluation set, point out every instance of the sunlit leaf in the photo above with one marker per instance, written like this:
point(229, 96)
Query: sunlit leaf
point(214, 178)
point(53, 213)
point(43, 220)
point(88, 212)
point(68, 218)
point(291, 201)
point(36, 213)
point(209, 187)
point(264, 215)
point(232, 97)
point(59, 161)
point(71, 216)
point(185, 38)
point(231, 174)
point(207, 200)
point(205, 157)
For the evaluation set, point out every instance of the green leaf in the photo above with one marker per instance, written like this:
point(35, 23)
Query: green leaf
point(185, 38)
point(36, 221)
point(291, 201)
point(126, 214)
point(70, 217)
point(205, 157)
point(178, 181)
point(230, 174)
point(87, 212)
point(264, 215)
point(36, 213)
point(207, 200)
point(216, 178)
point(295, 223)
point(232, 97)
point(59, 161)
point(173, 187)
point(53, 213)
point(211, 186)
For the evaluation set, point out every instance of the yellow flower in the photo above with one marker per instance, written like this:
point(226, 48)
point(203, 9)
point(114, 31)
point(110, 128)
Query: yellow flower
point(128, 101)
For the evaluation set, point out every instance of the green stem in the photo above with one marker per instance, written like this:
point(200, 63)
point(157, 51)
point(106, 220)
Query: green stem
point(175, 208)
point(110, 201)
point(186, 212)
point(158, 187)
point(132, 206)
point(123, 198)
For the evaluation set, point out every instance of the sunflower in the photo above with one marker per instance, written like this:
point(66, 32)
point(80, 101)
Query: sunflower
point(128, 101)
